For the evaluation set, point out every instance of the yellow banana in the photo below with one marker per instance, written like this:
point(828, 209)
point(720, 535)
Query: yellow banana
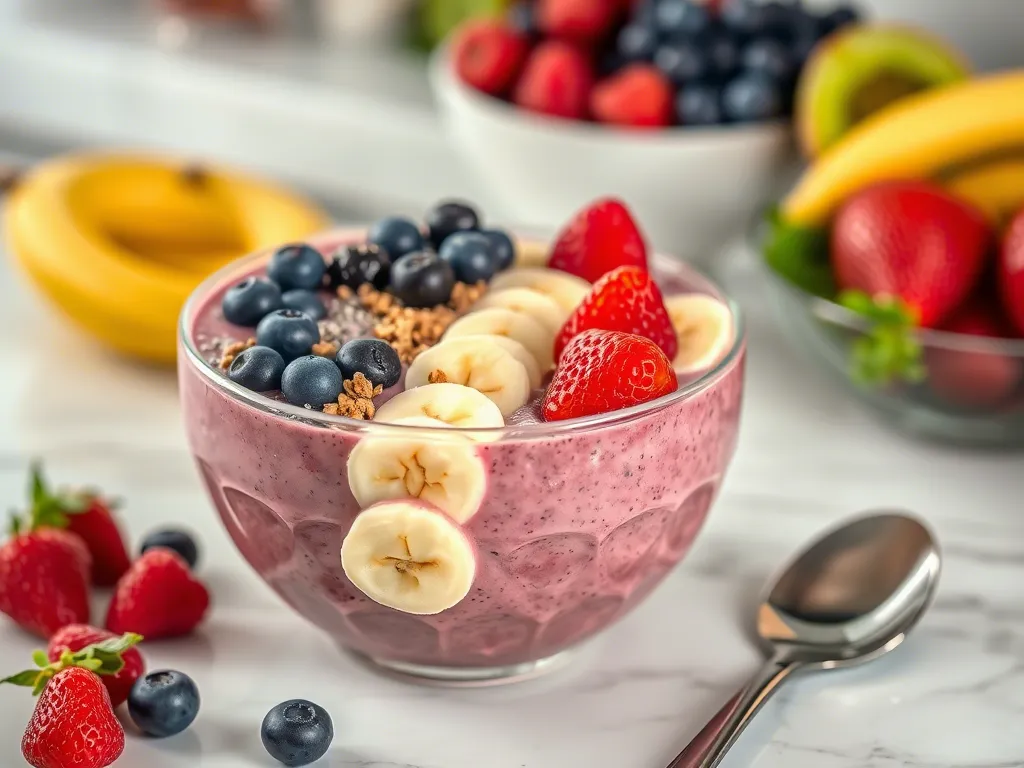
point(922, 136)
point(123, 281)
point(996, 188)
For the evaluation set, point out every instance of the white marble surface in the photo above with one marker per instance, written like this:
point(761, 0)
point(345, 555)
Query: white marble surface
point(952, 697)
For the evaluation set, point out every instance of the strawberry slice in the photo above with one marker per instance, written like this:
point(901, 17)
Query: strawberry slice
point(602, 371)
point(599, 238)
point(1011, 272)
point(627, 300)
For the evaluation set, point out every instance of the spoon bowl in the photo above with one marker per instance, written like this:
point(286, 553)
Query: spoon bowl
point(851, 596)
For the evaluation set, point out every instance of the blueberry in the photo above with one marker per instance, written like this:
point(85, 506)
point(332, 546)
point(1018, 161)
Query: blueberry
point(502, 248)
point(448, 217)
point(354, 265)
point(699, 104)
point(396, 236)
point(724, 56)
point(305, 301)
point(470, 256)
point(422, 279)
point(311, 381)
point(837, 19)
point(751, 98)
point(636, 42)
point(250, 300)
point(296, 266)
point(291, 332)
point(257, 368)
point(609, 62)
point(163, 703)
point(176, 540)
point(682, 62)
point(769, 57)
point(373, 358)
point(675, 18)
point(521, 16)
point(745, 17)
point(297, 732)
point(779, 19)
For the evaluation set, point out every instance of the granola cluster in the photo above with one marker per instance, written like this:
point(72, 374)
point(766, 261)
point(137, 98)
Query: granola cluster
point(356, 401)
point(231, 351)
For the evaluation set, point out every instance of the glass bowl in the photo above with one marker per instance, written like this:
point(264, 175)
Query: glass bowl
point(579, 520)
point(969, 391)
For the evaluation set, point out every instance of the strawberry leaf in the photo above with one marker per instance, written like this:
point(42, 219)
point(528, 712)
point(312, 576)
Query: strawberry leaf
point(38, 491)
point(799, 254)
point(25, 679)
point(887, 351)
point(104, 658)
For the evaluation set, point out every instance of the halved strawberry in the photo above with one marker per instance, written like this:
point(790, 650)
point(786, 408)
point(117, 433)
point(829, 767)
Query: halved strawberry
point(488, 55)
point(602, 371)
point(599, 238)
point(625, 299)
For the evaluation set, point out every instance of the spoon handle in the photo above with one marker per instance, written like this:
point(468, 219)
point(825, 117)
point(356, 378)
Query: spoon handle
point(717, 737)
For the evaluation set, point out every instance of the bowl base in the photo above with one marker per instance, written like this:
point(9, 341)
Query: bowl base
point(465, 677)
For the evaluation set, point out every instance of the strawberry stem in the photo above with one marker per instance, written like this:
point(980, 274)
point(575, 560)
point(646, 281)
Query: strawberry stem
point(105, 658)
point(887, 351)
point(49, 509)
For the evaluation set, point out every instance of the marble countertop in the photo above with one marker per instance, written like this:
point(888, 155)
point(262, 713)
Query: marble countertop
point(952, 697)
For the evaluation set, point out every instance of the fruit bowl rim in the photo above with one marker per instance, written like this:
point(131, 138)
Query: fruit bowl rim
point(507, 433)
point(443, 80)
point(836, 314)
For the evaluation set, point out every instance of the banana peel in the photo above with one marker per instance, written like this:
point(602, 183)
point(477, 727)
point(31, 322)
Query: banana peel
point(118, 241)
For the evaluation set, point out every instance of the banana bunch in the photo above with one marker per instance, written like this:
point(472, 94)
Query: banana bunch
point(118, 241)
point(969, 135)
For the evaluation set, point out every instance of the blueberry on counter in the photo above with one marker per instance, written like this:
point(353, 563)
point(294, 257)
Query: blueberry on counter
point(257, 368)
point(250, 301)
point(449, 217)
point(297, 732)
point(174, 539)
point(311, 381)
point(502, 247)
point(751, 98)
point(163, 703)
point(769, 57)
point(288, 331)
point(470, 256)
point(373, 358)
point(296, 266)
point(304, 301)
point(396, 236)
point(422, 279)
point(356, 265)
point(698, 105)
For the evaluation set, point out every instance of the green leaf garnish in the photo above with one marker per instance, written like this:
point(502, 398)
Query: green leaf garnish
point(103, 658)
point(799, 254)
point(887, 351)
point(49, 509)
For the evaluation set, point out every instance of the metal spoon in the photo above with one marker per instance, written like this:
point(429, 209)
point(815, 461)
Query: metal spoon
point(850, 597)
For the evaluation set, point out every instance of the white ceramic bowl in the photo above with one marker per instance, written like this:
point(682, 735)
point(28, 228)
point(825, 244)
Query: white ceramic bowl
point(690, 188)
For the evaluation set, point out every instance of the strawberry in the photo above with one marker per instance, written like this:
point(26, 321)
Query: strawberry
point(584, 21)
point(625, 299)
point(599, 238)
point(488, 55)
point(44, 577)
point(637, 96)
point(158, 597)
point(73, 725)
point(911, 241)
point(76, 637)
point(556, 80)
point(90, 517)
point(602, 371)
point(968, 377)
point(1011, 272)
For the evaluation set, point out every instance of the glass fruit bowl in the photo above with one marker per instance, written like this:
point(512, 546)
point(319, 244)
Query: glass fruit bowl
point(572, 523)
point(964, 390)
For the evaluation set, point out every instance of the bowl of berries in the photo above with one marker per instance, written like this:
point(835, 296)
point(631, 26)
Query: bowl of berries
point(679, 107)
point(458, 452)
point(897, 262)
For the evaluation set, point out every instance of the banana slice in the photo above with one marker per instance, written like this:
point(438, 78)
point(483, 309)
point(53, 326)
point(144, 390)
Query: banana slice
point(455, 405)
point(517, 350)
point(504, 322)
point(530, 253)
point(475, 362)
point(542, 308)
point(443, 469)
point(567, 290)
point(704, 328)
point(408, 557)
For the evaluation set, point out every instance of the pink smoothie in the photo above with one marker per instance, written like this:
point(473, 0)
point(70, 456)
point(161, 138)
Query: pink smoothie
point(577, 526)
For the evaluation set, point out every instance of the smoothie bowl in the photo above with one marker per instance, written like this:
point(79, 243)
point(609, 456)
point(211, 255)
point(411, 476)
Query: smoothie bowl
point(426, 480)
